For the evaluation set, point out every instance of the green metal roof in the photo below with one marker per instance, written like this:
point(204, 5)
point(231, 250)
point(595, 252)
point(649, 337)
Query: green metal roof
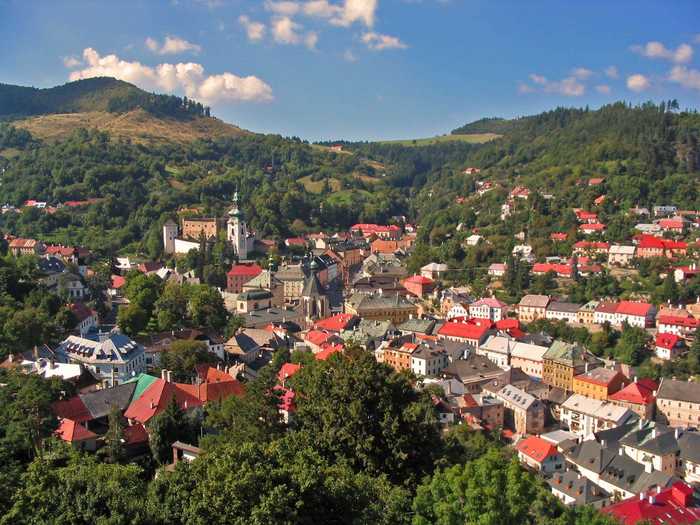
point(143, 381)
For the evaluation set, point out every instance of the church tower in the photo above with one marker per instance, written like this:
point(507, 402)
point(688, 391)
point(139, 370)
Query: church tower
point(314, 302)
point(237, 233)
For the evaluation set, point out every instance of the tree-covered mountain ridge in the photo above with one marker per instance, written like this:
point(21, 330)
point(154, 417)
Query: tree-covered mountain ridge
point(107, 104)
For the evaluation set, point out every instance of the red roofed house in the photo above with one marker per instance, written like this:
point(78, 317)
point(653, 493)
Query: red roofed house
point(287, 370)
point(590, 247)
point(315, 339)
point(328, 349)
point(391, 232)
point(156, 398)
point(586, 216)
point(595, 181)
point(638, 397)
point(668, 346)
point(670, 506)
point(419, 285)
point(641, 315)
point(469, 333)
point(594, 227)
point(558, 236)
point(562, 270)
point(488, 308)
point(390, 246)
point(76, 434)
point(520, 192)
point(651, 246)
point(683, 273)
point(676, 324)
point(86, 317)
point(295, 241)
point(674, 224)
point(21, 246)
point(539, 454)
point(117, 282)
point(599, 383)
point(599, 200)
point(239, 274)
point(337, 323)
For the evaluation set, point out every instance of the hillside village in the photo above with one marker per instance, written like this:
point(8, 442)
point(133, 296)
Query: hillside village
point(606, 427)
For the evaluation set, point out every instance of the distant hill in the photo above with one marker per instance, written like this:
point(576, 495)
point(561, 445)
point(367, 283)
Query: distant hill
point(110, 105)
point(494, 125)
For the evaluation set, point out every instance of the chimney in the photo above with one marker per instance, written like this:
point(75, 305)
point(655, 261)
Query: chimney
point(621, 452)
point(677, 432)
point(35, 352)
point(635, 379)
point(652, 500)
point(164, 374)
point(153, 405)
point(185, 406)
point(170, 376)
point(641, 496)
point(648, 467)
point(653, 433)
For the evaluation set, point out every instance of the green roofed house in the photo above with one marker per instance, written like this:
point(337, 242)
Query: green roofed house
point(253, 300)
point(563, 361)
point(143, 381)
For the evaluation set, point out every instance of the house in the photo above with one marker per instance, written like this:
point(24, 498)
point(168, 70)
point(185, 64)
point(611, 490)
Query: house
point(472, 334)
point(558, 236)
point(573, 489)
point(678, 325)
point(650, 246)
point(562, 362)
point(434, 270)
point(71, 286)
point(337, 323)
point(76, 434)
point(586, 314)
point(591, 228)
point(621, 255)
point(497, 349)
point(560, 270)
point(668, 346)
point(519, 192)
point(585, 416)
point(497, 269)
point(428, 360)
point(664, 211)
point(483, 409)
point(605, 312)
point(240, 274)
point(156, 398)
point(524, 252)
point(419, 285)
point(390, 232)
point(488, 308)
point(369, 333)
point(638, 396)
point(540, 455)
point(676, 505)
point(523, 412)
point(599, 383)
point(683, 273)
point(673, 225)
point(591, 248)
point(473, 240)
point(112, 358)
point(253, 300)
point(473, 372)
point(639, 314)
point(532, 307)
point(529, 357)
point(381, 307)
point(678, 402)
point(595, 181)
point(587, 217)
point(86, 317)
point(19, 246)
point(561, 311)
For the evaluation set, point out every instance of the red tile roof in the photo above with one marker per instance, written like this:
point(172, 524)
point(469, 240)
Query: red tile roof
point(667, 341)
point(71, 431)
point(335, 323)
point(594, 227)
point(536, 448)
point(491, 302)
point(558, 236)
point(671, 506)
point(418, 279)
point(214, 391)
point(639, 393)
point(81, 311)
point(688, 322)
point(245, 270)
point(463, 330)
point(156, 398)
point(317, 337)
point(559, 269)
point(73, 409)
point(328, 350)
point(583, 215)
point(288, 370)
point(592, 245)
point(633, 308)
point(135, 434)
point(118, 281)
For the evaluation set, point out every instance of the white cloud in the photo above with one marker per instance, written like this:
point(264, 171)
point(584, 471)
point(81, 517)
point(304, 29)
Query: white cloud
point(188, 78)
point(603, 89)
point(71, 62)
point(311, 39)
point(569, 86)
point(285, 30)
point(172, 45)
point(254, 30)
point(349, 56)
point(538, 79)
point(682, 54)
point(322, 9)
point(356, 11)
point(688, 78)
point(611, 72)
point(581, 73)
point(283, 8)
point(379, 42)
point(638, 82)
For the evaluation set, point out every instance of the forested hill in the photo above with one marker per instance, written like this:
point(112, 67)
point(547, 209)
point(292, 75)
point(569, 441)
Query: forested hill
point(93, 94)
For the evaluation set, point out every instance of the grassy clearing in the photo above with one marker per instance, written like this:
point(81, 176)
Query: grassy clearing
point(316, 186)
point(473, 138)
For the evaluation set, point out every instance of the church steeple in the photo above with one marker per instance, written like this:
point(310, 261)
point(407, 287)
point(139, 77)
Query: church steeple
point(237, 232)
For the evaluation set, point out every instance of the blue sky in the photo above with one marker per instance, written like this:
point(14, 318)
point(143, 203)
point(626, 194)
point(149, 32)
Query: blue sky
point(364, 69)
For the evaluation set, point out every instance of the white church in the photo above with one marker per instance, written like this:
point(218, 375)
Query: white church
point(237, 234)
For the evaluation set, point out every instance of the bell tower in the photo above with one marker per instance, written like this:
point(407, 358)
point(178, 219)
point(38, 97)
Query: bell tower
point(236, 231)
